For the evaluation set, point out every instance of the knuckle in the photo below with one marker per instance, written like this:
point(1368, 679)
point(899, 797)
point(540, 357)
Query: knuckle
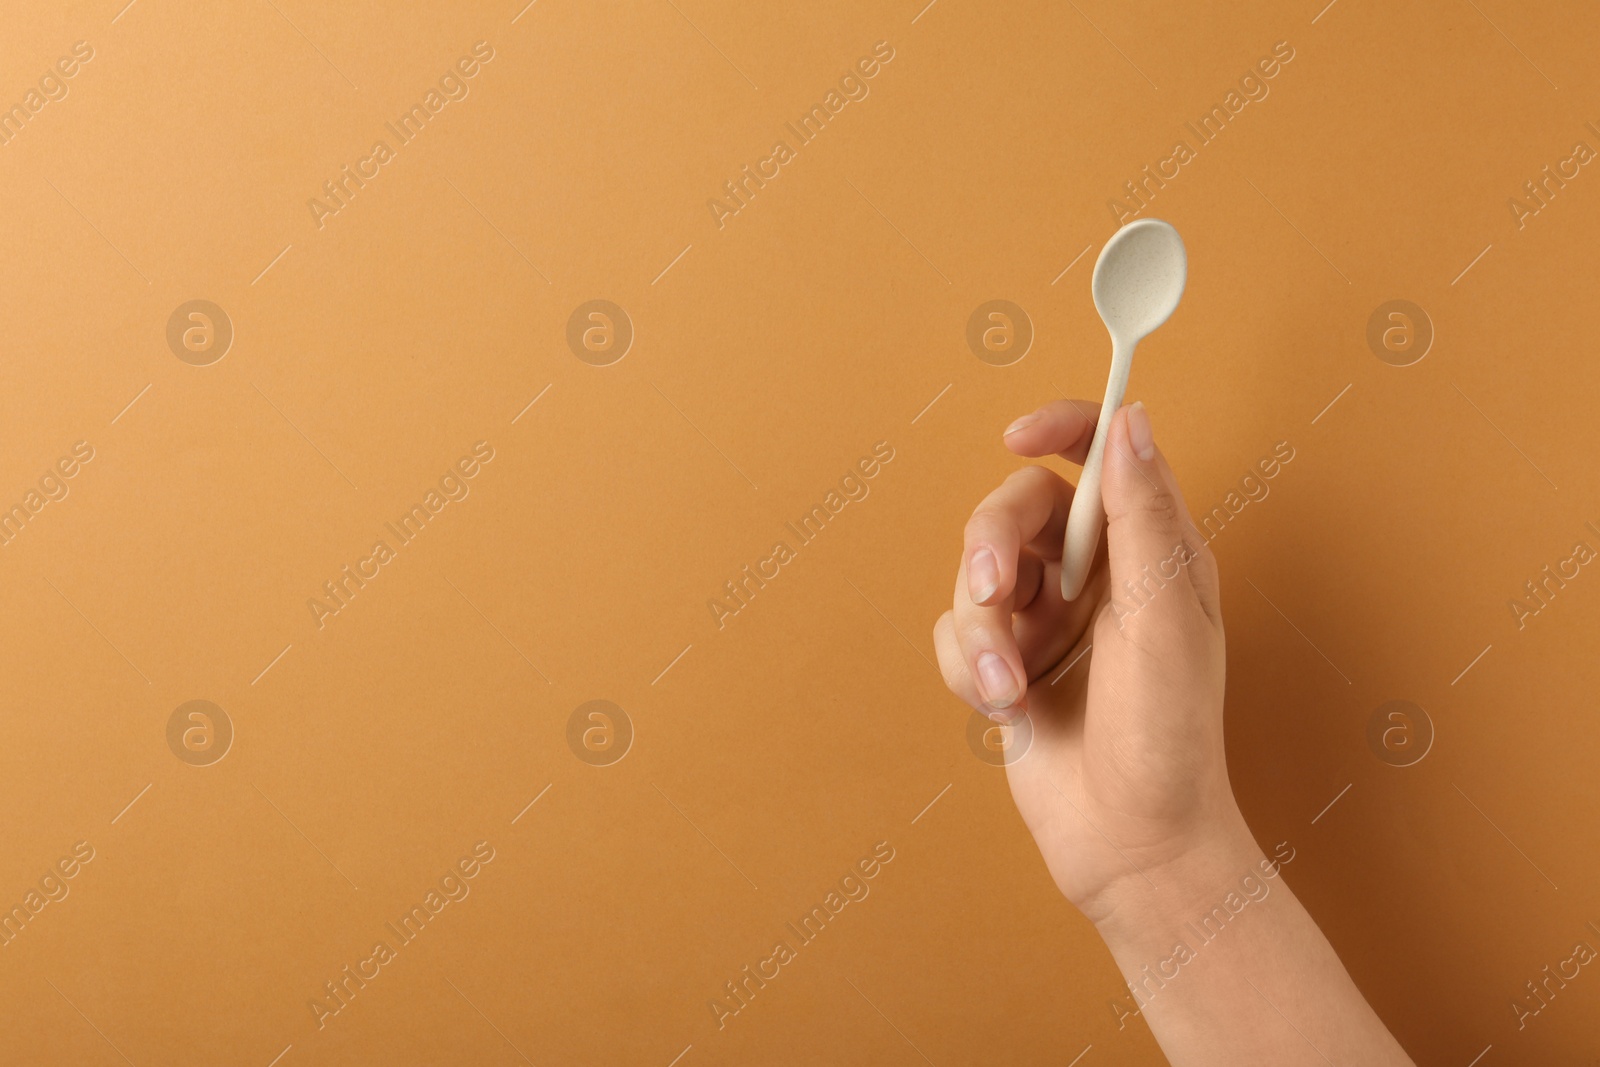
point(970, 631)
point(1157, 507)
point(996, 516)
point(947, 652)
point(982, 524)
point(952, 671)
point(1033, 476)
point(950, 674)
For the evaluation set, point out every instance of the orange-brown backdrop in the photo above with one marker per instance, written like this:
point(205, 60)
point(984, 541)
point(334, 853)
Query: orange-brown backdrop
point(381, 333)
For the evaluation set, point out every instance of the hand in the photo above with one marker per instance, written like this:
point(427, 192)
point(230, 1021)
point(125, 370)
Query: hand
point(1125, 786)
point(1126, 774)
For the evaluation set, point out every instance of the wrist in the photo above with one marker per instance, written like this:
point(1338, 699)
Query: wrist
point(1150, 907)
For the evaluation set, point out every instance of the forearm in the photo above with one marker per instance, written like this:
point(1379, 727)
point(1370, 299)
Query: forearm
point(1227, 967)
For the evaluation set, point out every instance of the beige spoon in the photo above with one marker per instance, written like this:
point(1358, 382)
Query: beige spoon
point(1138, 281)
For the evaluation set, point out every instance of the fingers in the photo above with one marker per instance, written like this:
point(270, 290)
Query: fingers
point(1159, 565)
point(1047, 628)
point(1010, 533)
point(1004, 622)
point(952, 665)
point(1044, 626)
point(1041, 634)
point(988, 652)
point(1030, 508)
point(1062, 427)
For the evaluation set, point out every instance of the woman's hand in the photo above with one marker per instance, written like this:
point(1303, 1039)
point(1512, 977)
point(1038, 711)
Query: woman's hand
point(1125, 779)
point(1124, 784)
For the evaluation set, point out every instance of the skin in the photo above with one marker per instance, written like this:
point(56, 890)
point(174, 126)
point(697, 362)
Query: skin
point(1125, 786)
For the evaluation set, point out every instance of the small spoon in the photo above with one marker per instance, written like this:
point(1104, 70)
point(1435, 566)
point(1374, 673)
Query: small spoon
point(1138, 281)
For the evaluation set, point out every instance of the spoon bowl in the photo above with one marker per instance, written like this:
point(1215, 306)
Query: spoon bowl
point(1139, 278)
point(1138, 281)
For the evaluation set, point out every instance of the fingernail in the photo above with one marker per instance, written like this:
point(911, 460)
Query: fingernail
point(1022, 424)
point(998, 683)
point(1140, 435)
point(983, 576)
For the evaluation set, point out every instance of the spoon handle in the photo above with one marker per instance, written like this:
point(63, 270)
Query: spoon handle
point(1088, 513)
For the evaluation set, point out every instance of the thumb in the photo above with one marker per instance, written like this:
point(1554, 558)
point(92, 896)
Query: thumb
point(1149, 535)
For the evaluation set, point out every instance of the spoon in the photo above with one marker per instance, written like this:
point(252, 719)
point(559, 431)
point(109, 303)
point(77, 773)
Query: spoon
point(1138, 280)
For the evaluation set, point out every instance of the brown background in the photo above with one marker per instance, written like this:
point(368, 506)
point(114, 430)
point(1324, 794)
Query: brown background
point(824, 317)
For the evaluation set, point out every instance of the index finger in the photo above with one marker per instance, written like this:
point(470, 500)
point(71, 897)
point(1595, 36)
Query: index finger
point(1062, 427)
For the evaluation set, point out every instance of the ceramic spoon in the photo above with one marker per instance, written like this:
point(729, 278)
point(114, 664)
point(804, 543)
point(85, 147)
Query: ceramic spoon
point(1138, 281)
